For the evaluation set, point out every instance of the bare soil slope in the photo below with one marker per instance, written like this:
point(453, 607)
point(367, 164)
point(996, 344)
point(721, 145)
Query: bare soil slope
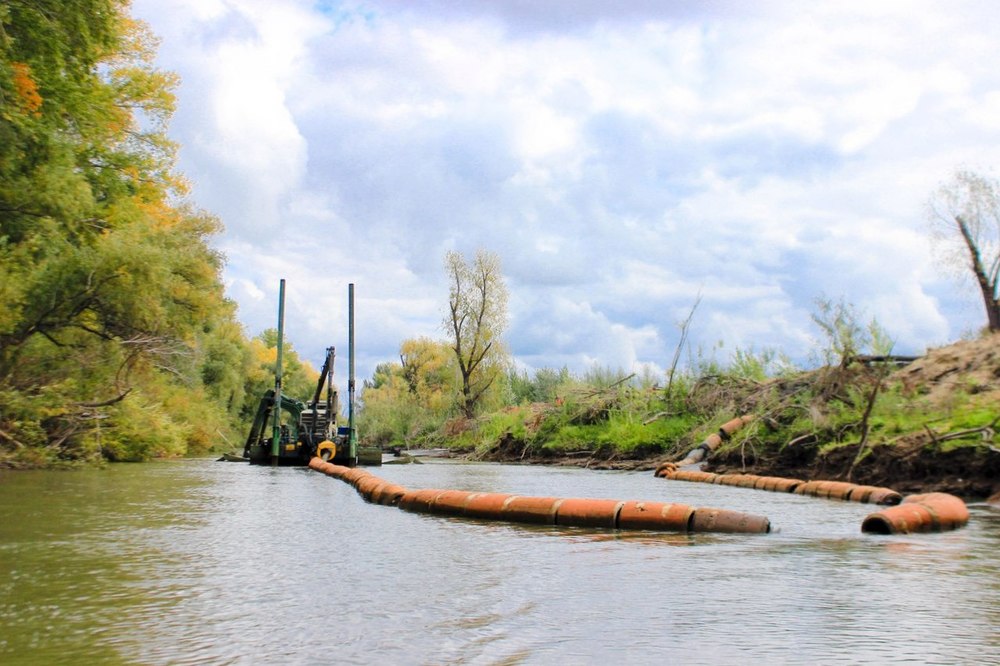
point(965, 462)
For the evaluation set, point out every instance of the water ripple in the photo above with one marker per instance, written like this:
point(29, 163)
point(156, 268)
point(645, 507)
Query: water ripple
point(196, 562)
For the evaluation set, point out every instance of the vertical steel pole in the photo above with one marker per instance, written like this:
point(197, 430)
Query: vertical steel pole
point(276, 409)
point(352, 436)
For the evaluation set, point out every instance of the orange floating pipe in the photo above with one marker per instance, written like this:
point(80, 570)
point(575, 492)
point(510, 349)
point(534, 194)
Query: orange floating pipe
point(419, 501)
point(828, 489)
point(691, 475)
point(724, 520)
point(831, 489)
point(488, 506)
point(655, 516)
point(352, 475)
point(875, 495)
point(577, 512)
point(929, 512)
point(537, 510)
point(948, 511)
point(388, 494)
point(450, 502)
point(367, 485)
point(886, 496)
point(778, 484)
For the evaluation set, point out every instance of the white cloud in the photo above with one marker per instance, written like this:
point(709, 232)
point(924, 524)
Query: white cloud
point(620, 158)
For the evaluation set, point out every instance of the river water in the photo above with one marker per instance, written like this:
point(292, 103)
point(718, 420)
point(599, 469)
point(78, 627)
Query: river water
point(198, 562)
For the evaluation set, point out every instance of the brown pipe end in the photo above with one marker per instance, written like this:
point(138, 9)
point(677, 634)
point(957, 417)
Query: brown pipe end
point(723, 520)
point(930, 512)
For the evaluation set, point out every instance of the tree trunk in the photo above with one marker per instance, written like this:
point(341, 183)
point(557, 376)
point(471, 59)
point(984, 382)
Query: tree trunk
point(987, 287)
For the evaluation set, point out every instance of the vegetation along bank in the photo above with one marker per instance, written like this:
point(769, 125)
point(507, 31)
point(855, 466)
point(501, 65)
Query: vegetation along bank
point(117, 342)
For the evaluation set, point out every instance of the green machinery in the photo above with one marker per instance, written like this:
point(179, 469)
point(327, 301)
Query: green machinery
point(310, 428)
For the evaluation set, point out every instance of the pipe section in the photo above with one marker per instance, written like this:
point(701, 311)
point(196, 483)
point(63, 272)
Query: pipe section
point(721, 520)
point(708, 445)
point(590, 512)
point(655, 515)
point(487, 506)
point(851, 492)
point(928, 512)
point(830, 489)
point(575, 512)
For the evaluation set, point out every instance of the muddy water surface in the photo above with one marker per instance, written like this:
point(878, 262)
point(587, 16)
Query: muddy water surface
point(198, 562)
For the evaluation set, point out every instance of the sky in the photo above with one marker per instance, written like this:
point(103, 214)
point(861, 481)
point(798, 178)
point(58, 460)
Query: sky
point(622, 159)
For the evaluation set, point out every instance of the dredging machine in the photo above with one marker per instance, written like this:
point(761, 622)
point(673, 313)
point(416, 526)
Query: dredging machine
point(310, 428)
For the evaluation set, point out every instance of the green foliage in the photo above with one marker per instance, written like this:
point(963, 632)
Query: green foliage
point(115, 337)
point(544, 386)
point(298, 377)
point(405, 403)
point(760, 366)
point(846, 336)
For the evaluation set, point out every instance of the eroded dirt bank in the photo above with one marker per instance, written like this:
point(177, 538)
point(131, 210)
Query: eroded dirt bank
point(929, 457)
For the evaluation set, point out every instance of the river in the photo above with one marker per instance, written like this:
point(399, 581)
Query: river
point(199, 562)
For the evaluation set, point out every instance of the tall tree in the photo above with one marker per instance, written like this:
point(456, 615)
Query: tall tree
point(475, 322)
point(965, 218)
point(111, 302)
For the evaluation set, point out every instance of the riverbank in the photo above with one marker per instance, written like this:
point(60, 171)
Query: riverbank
point(929, 424)
point(971, 474)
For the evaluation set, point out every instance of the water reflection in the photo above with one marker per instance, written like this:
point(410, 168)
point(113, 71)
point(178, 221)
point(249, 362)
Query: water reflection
point(198, 562)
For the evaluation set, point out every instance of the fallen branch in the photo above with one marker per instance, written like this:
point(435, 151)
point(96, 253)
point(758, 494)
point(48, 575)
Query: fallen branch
point(987, 432)
point(807, 438)
point(889, 359)
point(655, 417)
point(105, 403)
point(12, 440)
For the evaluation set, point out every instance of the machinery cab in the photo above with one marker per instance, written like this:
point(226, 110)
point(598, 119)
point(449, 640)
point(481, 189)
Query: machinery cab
point(300, 430)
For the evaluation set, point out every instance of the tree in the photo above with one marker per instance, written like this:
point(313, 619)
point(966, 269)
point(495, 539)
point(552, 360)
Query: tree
point(428, 368)
point(405, 401)
point(965, 219)
point(298, 377)
point(115, 336)
point(846, 335)
point(475, 321)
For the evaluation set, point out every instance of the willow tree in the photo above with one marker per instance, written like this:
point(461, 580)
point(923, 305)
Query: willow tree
point(110, 295)
point(475, 323)
point(965, 218)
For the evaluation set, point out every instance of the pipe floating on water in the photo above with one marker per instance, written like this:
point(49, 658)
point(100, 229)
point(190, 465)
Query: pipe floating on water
point(773, 483)
point(850, 492)
point(573, 511)
point(830, 489)
point(374, 489)
point(928, 512)
point(582, 512)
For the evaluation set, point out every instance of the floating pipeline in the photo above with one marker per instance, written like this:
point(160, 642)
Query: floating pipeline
point(830, 489)
point(581, 512)
point(850, 492)
point(840, 490)
point(573, 511)
point(928, 512)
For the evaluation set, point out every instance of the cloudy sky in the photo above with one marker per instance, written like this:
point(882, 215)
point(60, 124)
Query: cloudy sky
point(620, 158)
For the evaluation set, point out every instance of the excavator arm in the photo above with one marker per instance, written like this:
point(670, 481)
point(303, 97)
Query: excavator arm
point(257, 443)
